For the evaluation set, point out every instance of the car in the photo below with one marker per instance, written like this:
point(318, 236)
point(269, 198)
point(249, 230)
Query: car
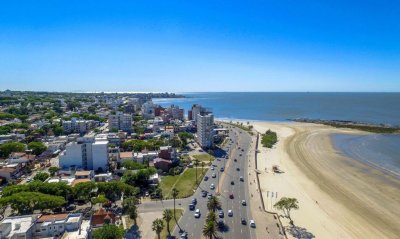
point(242, 150)
point(244, 202)
point(191, 207)
point(184, 235)
point(240, 154)
point(237, 169)
point(209, 195)
point(221, 224)
point(213, 175)
point(221, 213)
point(205, 178)
point(146, 194)
point(235, 160)
point(204, 194)
point(194, 201)
point(241, 178)
point(230, 213)
point(221, 169)
point(243, 221)
point(252, 223)
point(231, 196)
point(70, 207)
point(212, 167)
point(197, 213)
point(232, 183)
point(212, 186)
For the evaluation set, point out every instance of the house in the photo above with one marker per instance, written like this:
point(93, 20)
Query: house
point(17, 227)
point(11, 171)
point(103, 177)
point(54, 225)
point(84, 174)
point(167, 152)
point(163, 164)
point(20, 157)
point(125, 156)
point(102, 217)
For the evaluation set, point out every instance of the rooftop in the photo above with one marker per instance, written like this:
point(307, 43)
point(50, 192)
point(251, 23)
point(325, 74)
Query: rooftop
point(52, 217)
point(19, 224)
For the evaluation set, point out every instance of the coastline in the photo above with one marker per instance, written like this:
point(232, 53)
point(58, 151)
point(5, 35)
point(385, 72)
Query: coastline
point(339, 197)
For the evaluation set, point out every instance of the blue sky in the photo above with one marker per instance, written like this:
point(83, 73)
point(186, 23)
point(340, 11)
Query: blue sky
point(186, 46)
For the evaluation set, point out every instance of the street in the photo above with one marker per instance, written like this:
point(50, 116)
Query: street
point(235, 149)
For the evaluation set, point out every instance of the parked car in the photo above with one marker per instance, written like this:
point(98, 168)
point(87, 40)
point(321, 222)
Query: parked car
point(204, 194)
point(212, 186)
point(221, 213)
point(241, 178)
point(231, 196)
point(205, 178)
point(213, 175)
point(221, 169)
point(191, 207)
point(70, 207)
point(184, 235)
point(197, 213)
point(194, 201)
point(221, 224)
point(209, 195)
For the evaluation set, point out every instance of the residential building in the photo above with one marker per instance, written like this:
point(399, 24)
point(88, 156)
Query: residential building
point(148, 110)
point(17, 227)
point(173, 113)
point(86, 153)
point(78, 126)
point(198, 110)
point(54, 225)
point(120, 121)
point(102, 217)
point(204, 135)
point(163, 164)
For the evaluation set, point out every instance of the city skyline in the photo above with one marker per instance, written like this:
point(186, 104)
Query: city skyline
point(184, 47)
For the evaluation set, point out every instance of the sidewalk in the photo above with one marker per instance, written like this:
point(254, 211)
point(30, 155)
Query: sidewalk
point(267, 224)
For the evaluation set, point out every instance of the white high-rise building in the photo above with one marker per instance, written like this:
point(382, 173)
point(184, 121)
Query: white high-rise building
point(87, 153)
point(148, 110)
point(205, 124)
point(120, 121)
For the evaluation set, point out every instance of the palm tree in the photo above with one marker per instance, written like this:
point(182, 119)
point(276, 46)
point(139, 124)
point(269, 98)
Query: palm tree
point(158, 226)
point(211, 216)
point(167, 216)
point(202, 166)
point(210, 229)
point(174, 193)
point(213, 203)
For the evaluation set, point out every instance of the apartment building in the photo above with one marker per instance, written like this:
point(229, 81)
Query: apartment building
point(87, 153)
point(78, 126)
point(205, 125)
point(120, 121)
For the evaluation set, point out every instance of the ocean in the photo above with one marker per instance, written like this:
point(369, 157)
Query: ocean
point(379, 150)
point(377, 108)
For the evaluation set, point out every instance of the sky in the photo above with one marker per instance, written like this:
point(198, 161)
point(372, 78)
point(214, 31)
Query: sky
point(200, 46)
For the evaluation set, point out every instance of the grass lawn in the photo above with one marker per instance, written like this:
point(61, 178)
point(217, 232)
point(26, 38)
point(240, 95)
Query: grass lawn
point(185, 182)
point(204, 157)
point(172, 223)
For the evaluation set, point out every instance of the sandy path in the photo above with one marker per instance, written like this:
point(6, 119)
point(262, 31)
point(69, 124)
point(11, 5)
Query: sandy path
point(339, 197)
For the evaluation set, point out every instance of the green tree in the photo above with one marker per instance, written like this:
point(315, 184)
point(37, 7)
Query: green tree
point(129, 207)
point(132, 165)
point(286, 205)
point(7, 148)
point(53, 170)
point(174, 194)
point(84, 191)
point(37, 147)
point(108, 231)
point(26, 202)
point(167, 216)
point(157, 226)
point(210, 229)
point(41, 176)
point(213, 204)
point(100, 199)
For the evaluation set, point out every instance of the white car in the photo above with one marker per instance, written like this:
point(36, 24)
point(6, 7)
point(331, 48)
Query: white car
point(213, 175)
point(212, 168)
point(212, 186)
point(252, 223)
point(230, 213)
point(197, 213)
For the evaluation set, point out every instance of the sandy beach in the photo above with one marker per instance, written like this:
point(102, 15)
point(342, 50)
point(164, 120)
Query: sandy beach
point(339, 197)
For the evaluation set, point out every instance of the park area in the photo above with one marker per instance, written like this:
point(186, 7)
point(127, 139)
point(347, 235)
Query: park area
point(185, 183)
point(204, 157)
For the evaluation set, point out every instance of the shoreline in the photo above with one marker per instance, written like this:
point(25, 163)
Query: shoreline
point(339, 197)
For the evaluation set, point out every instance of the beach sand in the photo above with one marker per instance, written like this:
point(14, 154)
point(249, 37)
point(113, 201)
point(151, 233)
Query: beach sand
point(339, 197)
